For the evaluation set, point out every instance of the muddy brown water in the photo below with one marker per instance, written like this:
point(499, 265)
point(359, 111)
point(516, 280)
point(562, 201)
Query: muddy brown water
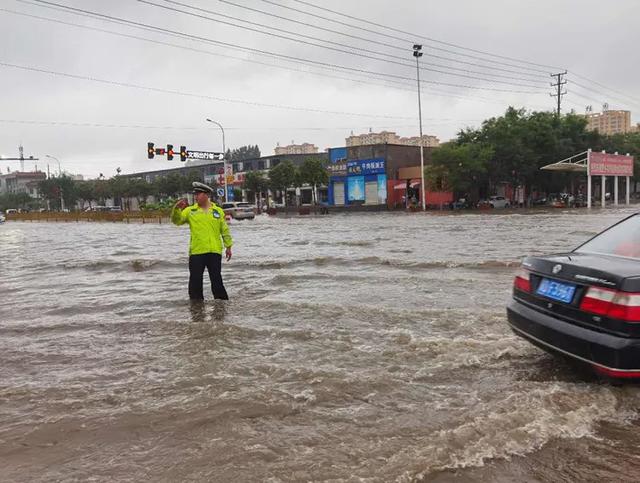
point(355, 348)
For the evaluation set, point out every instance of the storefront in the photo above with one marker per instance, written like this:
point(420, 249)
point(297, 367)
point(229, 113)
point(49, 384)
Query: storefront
point(357, 182)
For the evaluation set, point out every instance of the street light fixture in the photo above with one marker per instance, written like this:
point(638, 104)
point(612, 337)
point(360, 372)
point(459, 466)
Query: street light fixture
point(224, 158)
point(417, 54)
point(57, 160)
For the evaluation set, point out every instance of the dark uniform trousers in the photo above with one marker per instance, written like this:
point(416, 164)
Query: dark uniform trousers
point(213, 263)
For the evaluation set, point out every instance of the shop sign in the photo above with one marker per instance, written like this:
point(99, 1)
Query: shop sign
point(363, 167)
point(337, 169)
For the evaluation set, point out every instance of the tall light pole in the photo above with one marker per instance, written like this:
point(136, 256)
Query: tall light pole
point(224, 158)
point(417, 54)
point(59, 174)
point(57, 160)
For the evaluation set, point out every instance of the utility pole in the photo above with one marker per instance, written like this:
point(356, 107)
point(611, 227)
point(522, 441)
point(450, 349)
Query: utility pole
point(559, 92)
point(417, 54)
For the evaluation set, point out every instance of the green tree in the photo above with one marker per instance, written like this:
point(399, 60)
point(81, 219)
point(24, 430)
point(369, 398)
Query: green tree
point(18, 201)
point(85, 191)
point(171, 185)
point(282, 177)
point(59, 189)
point(313, 171)
point(522, 142)
point(458, 167)
point(140, 190)
point(102, 190)
point(118, 187)
point(257, 183)
point(242, 153)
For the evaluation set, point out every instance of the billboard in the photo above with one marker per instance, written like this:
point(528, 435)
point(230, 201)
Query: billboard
point(604, 164)
point(355, 188)
point(382, 189)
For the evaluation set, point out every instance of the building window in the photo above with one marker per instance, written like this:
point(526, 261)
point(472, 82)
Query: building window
point(275, 162)
point(260, 164)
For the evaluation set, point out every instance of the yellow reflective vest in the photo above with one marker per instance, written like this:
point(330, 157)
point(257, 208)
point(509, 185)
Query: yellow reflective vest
point(209, 228)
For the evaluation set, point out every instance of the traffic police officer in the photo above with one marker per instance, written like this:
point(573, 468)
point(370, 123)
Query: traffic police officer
point(209, 232)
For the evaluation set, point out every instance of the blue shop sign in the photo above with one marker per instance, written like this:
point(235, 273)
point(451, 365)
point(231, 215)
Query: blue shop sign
point(363, 167)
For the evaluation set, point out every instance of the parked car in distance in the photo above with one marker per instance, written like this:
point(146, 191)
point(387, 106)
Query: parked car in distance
point(585, 304)
point(499, 202)
point(100, 208)
point(239, 210)
point(461, 204)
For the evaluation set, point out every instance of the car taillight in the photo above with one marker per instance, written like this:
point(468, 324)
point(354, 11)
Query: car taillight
point(521, 281)
point(617, 373)
point(612, 304)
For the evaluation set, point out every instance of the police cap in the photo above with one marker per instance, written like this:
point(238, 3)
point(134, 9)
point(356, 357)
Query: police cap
point(202, 188)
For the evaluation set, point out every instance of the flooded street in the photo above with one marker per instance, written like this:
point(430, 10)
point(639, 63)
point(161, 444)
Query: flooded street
point(355, 348)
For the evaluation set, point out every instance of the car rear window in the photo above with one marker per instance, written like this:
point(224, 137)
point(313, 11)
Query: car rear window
point(243, 205)
point(622, 240)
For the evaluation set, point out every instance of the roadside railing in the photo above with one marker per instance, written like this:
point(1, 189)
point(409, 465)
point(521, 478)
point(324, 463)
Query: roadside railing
point(158, 217)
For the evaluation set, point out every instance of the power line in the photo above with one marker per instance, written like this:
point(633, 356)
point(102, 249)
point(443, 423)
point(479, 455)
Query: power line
point(359, 49)
point(357, 54)
point(324, 29)
point(605, 87)
point(159, 42)
point(591, 99)
point(265, 52)
point(377, 32)
point(189, 94)
point(599, 92)
point(389, 83)
point(230, 128)
point(419, 36)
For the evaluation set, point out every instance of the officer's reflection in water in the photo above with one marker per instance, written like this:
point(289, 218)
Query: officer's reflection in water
point(209, 233)
point(212, 314)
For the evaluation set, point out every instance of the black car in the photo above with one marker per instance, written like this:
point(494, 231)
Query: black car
point(586, 303)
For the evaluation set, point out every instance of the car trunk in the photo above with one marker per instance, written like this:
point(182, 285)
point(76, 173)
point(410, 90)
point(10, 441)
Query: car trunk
point(572, 287)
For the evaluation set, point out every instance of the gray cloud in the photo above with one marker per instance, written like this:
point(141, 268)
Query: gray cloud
point(593, 38)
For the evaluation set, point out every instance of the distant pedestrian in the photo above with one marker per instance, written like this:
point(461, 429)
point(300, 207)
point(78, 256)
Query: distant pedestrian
point(209, 233)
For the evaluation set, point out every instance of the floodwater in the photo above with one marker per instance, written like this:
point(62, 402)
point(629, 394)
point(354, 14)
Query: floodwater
point(368, 347)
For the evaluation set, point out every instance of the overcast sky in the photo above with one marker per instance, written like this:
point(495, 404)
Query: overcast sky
point(108, 126)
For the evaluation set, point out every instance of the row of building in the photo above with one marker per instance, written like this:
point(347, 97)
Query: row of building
point(384, 174)
point(367, 139)
point(374, 168)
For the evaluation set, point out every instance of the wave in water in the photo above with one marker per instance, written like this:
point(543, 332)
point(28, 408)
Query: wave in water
point(376, 261)
point(135, 265)
point(515, 426)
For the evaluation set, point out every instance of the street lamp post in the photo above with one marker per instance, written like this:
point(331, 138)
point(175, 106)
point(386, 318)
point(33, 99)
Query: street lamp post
point(417, 54)
point(60, 175)
point(57, 160)
point(224, 158)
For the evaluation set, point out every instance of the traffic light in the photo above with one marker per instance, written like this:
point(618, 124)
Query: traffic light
point(169, 152)
point(183, 153)
point(150, 151)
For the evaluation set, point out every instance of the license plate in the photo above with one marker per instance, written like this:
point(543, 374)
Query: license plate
point(562, 292)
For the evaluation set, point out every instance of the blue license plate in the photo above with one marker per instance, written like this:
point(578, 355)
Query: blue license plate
point(562, 292)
